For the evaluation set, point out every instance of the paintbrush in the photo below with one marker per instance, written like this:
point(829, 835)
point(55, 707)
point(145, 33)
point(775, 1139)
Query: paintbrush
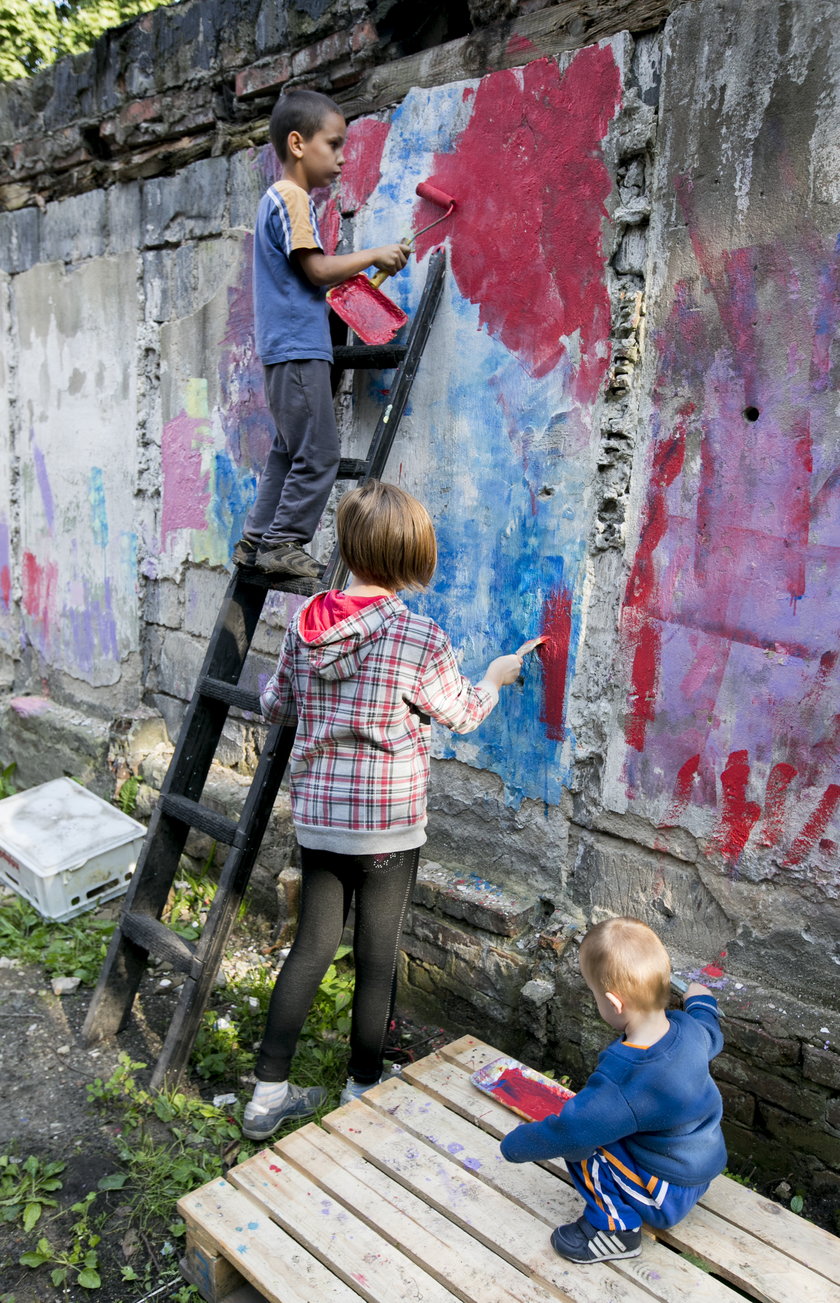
point(531, 645)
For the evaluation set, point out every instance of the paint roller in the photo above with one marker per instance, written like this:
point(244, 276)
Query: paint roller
point(431, 193)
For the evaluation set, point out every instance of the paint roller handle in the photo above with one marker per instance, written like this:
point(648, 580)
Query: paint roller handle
point(389, 258)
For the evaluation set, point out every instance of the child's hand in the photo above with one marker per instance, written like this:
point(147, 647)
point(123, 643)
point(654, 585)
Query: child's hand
point(504, 669)
point(390, 257)
point(696, 988)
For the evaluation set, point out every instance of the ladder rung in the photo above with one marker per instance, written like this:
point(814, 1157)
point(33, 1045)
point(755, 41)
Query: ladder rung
point(352, 468)
point(159, 940)
point(229, 692)
point(368, 356)
point(217, 826)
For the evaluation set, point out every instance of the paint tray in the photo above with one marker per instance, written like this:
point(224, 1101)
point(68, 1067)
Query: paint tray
point(366, 310)
point(64, 849)
point(523, 1090)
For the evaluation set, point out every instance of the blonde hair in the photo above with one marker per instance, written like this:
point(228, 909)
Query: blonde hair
point(625, 956)
point(386, 536)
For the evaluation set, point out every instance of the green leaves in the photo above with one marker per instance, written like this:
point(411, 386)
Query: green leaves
point(25, 1188)
point(34, 33)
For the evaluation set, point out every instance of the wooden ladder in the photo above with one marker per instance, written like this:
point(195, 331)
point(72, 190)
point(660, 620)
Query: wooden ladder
point(140, 932)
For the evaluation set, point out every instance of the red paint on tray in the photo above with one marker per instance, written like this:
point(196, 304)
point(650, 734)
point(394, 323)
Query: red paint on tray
point(530, 185)
point(366, 310)
point(556, 629)
point(815, 826)
point(533, 1099)
point(738, 815)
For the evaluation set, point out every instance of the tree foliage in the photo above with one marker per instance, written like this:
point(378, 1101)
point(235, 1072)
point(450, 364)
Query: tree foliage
point(34, 33)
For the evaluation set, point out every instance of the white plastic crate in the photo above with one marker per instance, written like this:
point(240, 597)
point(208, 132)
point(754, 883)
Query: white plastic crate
point(64, 849)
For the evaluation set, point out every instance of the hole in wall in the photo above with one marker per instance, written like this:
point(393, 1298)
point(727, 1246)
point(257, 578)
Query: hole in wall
point(751, 413)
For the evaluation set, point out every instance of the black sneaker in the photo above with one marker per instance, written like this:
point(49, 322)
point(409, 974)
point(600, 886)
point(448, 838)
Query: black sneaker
point(244, 554)
point(582, 1242)
point(287, 559)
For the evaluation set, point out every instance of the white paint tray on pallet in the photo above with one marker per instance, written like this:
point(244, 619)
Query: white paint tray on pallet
point(64, 849)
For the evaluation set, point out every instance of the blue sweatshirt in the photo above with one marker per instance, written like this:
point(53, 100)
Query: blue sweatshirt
point(660, 1101)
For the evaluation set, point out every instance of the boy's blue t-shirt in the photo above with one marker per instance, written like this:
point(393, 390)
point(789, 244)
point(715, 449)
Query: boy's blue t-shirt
point(290, 313)
point(659, 1100)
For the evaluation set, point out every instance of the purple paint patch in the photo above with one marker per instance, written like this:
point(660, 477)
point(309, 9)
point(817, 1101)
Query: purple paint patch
point(454, 1148)
point(472, 1163)
point(5, 566)
point(44, 485)
point(186, 486)
point(29, 706)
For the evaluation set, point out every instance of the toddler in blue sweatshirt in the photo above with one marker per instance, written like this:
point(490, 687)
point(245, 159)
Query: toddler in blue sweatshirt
point(642, 1140)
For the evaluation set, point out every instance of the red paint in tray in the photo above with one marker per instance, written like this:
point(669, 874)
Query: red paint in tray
point(366, 310)
point(524, 1091)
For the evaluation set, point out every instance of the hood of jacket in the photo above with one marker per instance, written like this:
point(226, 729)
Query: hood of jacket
point(340, 651)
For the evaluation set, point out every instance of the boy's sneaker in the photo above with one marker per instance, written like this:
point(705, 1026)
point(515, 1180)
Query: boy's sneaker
point(287, 559)
point(355, 1089)
point(582, 1242)
point(260, 1123)
point(244, 554)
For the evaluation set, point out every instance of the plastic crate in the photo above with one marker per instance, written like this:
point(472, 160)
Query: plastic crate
point(64, 849)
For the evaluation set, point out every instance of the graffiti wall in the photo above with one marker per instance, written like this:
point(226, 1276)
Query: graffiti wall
point(77, 457)
point(729, 723)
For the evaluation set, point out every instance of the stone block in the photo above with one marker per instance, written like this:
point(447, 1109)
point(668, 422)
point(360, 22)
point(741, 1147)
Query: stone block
point(786, 1091)
point(832, 1114)
point(822, 1066)
point(737, 1104)
point(123, 217)
point(20, 239)
point(51, 741)
point(171, 711)
point(795, 1134)
point(186, 206)
point(164, 603)
point(271, 31)
point(74, 229)
point(537, 993)
point(321, 53)
point(630, 258)
point(613, 877)
point(263, 78)
point(250, 172)
point(204, 590)
point(181, 658)
point(759, 1045)
point(458, 893)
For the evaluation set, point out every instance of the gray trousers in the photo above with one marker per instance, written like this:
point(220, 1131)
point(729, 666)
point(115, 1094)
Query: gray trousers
point(302, 462)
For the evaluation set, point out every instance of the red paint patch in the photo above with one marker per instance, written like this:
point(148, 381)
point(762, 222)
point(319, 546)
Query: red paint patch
point(38, 583)
point(683, 788)
point(5, 586)
point(712, 970)
point(329, 223)
point(530, 186)
point(641, 633)
point(532, 1099)
point(556, 628)
point(780, 779)
point(739, 815)
point(272, 1167)
point(363, 148)
point(815, 827)
point(519, 45)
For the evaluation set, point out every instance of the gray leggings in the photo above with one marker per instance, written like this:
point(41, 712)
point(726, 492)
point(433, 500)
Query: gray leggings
point(383, 886)
point(303, 460)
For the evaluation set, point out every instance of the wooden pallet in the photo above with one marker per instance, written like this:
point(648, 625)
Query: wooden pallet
point(404, 1195)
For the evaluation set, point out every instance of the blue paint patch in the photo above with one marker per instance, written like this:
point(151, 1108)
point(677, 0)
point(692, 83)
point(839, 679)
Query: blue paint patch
point(253, 1226)
point(98, 508)
point(242, 1248)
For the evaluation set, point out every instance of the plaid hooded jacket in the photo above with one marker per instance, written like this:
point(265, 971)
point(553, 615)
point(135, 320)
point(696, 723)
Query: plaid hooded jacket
point(361, 694)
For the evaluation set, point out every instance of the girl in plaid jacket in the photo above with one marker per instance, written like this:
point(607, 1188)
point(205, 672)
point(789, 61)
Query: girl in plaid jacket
point(360, 675)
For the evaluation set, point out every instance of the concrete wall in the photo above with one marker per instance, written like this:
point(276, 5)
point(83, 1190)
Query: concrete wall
point(622, 426)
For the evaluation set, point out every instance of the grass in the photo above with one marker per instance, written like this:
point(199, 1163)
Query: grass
point(123, 1233)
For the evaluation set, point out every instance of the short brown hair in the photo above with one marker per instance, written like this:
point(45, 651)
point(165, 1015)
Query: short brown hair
point(305, 111)
point(386, 536)
point(625, 956)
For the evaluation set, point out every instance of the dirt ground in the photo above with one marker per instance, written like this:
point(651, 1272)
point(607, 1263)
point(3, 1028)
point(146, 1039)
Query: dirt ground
point(45, 1111)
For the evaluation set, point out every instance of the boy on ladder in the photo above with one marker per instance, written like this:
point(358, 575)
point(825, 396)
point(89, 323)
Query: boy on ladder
point(291, 277)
